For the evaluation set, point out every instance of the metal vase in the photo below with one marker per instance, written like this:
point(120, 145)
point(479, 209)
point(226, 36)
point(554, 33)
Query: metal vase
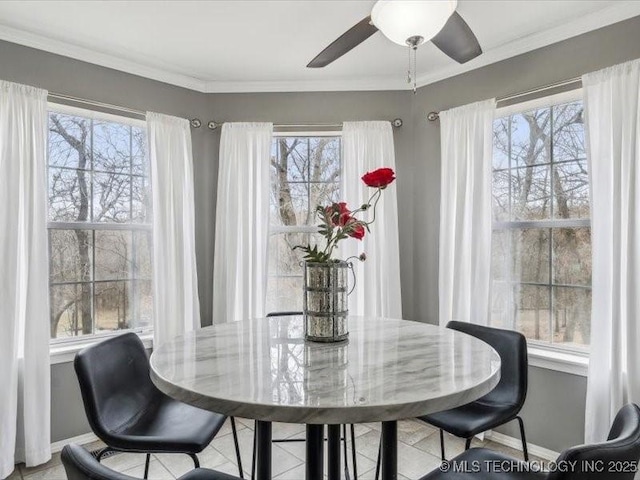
point(325, 301)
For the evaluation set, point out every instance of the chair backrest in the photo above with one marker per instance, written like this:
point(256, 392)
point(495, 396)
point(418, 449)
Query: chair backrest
point(81, 465)
point(114, 382)
point(615, 459)
point(512, 348)
point(284, 314)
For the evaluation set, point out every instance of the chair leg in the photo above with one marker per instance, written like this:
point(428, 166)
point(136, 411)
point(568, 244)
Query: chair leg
point(146, 466)
point(196, 462)
point(467, 443)
point(235, 441)
point(255, 446)
point(345, 452)
point(353, 451)
point(442, 455)
point(524, 439)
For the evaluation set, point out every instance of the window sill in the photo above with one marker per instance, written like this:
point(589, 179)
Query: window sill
point(66, 352)
point(575, 363)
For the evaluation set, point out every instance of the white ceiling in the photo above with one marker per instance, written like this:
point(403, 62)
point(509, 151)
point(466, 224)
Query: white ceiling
point(261, 45)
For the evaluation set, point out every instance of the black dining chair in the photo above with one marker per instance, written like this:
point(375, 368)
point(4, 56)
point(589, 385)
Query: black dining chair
point(502, 404)
point(285, 440)
point(79, 464)
point(615, 459)
point(128, 412)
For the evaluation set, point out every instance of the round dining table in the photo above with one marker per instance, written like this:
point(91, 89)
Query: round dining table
point(387, 370)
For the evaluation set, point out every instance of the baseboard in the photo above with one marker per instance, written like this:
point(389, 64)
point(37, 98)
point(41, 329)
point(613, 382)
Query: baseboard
point(80, 440)
point(516, 444)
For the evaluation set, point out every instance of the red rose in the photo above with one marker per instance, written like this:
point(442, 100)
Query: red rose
point(379, 178)
point(355, 229)
point(338, 213)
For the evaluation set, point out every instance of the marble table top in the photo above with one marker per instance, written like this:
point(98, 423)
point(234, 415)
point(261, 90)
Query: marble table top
point(263, 369)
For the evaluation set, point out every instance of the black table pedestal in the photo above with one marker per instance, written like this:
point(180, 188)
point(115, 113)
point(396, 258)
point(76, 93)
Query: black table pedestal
point(263, 436)
point(389, 450)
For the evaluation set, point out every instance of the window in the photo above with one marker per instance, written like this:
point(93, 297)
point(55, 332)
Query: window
point(99, 224)
point(541, 260)
point(305, 172)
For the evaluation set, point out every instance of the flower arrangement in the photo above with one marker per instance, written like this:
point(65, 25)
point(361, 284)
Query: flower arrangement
point(338, 222)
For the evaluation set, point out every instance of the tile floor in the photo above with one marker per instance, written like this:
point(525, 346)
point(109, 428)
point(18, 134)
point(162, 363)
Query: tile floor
point(418, 453)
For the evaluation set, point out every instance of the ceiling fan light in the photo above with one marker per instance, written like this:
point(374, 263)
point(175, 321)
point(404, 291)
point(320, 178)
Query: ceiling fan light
point(399, 20)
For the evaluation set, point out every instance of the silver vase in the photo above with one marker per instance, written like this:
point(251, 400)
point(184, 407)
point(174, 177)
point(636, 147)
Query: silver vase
point(325, 301)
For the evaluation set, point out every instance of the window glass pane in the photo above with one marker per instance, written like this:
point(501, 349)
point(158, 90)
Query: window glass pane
point(142, 254)
point(69, 195)
point(143, 303)
point(324, 159)
point(113, 255)
point(530, 138)
point(572, 315)
point(70, 255)
point(571, 190)
point(540, 181)
point(501, 143)
point(501, 300)
point(140, 200)
point(139, 160)
point(501, 180)
point(568, 132)
point(530, 253)
point(111, 198)
point(572, 256)
point(305, 173)
point(500, 255)
point(98, 172)
point(530, 190)
point(112, 306)
point(71, 312)
point(69, 141)
point(284, 294)
point(111, 147)
point(283, 259)
point(533, 316)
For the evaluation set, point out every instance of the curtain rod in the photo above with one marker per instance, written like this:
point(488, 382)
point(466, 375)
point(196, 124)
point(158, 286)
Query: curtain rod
point(195, 123)
point(433, 116)
point(396, 122)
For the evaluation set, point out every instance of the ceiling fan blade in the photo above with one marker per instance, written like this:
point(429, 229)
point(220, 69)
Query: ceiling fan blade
point(457, 40)
point(347, 41)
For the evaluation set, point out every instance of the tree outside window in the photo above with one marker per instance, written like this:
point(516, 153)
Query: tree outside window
point(541, 260)
point(99, 226)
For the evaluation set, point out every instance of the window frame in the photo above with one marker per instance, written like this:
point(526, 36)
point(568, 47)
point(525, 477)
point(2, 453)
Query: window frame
point(568, 358)
point(63, 349)
point(280, 229)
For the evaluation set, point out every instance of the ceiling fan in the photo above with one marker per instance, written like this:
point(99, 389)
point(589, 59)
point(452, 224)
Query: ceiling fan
point(409, 23)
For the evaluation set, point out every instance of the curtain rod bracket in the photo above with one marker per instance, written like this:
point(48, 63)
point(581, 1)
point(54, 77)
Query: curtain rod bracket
point(195, 123)
point(212, 125)
point(433, 116)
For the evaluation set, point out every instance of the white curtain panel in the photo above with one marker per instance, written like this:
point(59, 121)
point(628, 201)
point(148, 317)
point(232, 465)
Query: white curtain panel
point(368, 146)
point(612, 105)
point(175, 280)
point(465, 213)
point(25, 406)
point(242, 222)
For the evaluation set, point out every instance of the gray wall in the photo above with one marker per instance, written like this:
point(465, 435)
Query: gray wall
point(554, 412)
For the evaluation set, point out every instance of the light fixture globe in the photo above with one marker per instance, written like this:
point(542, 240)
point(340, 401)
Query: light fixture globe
point(411, 22)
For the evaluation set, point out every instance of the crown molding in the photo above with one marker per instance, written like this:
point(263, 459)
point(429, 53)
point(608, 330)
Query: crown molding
point(96, 57)
point(620, 11)
point(384, 83)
